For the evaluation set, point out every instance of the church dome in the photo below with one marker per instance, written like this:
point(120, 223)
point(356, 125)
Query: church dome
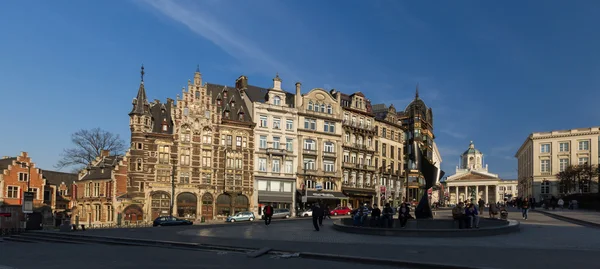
point(471, 150)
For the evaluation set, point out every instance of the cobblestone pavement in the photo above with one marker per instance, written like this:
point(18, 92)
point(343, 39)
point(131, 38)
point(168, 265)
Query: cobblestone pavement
point(57, 255)
point(533, 247)
point(585, 215)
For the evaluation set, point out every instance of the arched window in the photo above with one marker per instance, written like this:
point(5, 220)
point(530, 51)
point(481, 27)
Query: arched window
point(224, 205)
point(277, 101)
point(197, 94)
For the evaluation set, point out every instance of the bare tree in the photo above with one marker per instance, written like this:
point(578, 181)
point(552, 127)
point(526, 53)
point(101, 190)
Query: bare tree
point(568, 178)
point(587, 172)
point(88, 144)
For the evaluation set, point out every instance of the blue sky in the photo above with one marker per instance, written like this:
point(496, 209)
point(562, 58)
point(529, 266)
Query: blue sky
point(492, 72)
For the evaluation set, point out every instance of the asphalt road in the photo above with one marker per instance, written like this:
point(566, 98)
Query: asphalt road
point(60, 256)
point(543, 242)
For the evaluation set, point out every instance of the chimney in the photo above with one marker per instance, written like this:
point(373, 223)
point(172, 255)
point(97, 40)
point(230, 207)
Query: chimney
point(338, 97)
point(298, 95)
point(104, 153)
point(277, 82)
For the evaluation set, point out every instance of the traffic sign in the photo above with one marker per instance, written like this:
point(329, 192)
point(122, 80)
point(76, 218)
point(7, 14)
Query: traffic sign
point(28, 202)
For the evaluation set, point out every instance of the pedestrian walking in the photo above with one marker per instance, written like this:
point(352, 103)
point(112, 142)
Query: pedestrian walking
point(525, 208)
point(317, 216)
point(268, 213)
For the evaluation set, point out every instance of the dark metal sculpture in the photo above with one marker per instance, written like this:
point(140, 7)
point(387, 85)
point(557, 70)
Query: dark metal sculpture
point(432, 175)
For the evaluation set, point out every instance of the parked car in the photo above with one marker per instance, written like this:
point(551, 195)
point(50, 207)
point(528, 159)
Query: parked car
point(306, 213)
point(343, 210)
point(241, 216)
point(280, 213)
point(170, 221)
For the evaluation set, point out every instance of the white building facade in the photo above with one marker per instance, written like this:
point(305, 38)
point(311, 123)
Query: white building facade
point(472, 180)
point(275, 147)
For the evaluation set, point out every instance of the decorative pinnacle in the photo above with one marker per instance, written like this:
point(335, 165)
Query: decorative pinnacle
point(198, 68)
point(417, 91)
point(142, 72)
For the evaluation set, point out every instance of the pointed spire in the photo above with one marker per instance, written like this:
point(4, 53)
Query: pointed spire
point(198, 68)
point(277, 78)
point(140, 103)
point(417, 91)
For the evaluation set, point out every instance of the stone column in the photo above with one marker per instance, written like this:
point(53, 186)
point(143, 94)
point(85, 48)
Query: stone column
point(456, 197)
point(466, 194)
point(487, 197)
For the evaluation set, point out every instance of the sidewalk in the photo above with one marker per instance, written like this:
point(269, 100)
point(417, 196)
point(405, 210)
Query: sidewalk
point(584, 217)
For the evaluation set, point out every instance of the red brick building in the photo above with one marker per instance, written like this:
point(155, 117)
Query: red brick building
point(16, 174)
point(98, 187)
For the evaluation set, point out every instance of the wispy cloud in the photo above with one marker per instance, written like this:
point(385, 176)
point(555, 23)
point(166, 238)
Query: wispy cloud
point(196, 17)
point(453, 134)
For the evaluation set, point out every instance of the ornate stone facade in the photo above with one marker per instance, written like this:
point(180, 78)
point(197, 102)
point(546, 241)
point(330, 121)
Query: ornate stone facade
point(192, 158)
point(390, 154)
point(359, 161)
point(320, 135)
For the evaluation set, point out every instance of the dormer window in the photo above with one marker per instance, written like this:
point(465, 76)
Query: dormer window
point(218, 102)
point(241, 116)
point(162, 111)
point(232, 103)
point(164, 127)
point(225, 94)
point(226, 115)
point(277, 101)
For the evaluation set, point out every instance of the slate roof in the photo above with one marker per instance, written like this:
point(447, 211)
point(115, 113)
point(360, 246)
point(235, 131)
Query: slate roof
point(258, 94)
point(103, 169)
point(56, 178)
point(161, 111)
point(233, 95)
point(4, 163)
point(140, 103)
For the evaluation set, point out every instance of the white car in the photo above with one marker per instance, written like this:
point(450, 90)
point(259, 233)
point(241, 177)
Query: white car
point(306, 213)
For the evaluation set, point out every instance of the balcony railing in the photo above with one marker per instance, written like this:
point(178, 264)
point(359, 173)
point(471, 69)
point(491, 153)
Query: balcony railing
point(321, 114)
point(276, 151)
point(358, 125)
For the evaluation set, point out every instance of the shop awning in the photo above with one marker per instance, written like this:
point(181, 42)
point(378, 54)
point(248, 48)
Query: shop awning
point(325, 195)
point(275, 198)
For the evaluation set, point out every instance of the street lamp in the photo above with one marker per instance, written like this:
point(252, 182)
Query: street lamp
point(172, 188)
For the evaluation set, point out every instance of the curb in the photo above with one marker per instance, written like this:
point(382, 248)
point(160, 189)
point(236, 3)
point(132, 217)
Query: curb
point(569, 219)
point(513, 226)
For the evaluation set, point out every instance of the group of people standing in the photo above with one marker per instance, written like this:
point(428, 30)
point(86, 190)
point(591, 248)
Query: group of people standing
point(381, 218)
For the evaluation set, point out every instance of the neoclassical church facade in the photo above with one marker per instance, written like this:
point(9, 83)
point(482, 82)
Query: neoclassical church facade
point(473, 180)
